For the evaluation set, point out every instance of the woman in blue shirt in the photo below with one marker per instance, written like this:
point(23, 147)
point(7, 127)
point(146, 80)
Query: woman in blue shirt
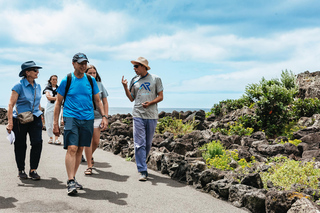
point(26, 96)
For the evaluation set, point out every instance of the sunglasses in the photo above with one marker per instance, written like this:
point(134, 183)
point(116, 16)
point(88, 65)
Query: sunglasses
point(136, 65)
point(34, 70)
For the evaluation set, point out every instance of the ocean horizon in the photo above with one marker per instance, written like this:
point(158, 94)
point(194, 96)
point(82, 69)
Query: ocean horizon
point(126, 110)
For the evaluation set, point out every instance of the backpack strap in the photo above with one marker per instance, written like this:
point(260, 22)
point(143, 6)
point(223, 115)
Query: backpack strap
point(91, 83)
point(69, 77)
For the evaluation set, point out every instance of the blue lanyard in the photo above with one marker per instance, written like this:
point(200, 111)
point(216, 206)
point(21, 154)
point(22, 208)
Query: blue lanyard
point(137, 81)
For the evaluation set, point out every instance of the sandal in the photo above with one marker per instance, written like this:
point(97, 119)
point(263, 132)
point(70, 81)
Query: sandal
point(88, 171)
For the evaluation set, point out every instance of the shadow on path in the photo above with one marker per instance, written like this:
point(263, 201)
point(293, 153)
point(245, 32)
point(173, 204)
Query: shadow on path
point(99, 164)
point(154, 179)
point(7, 203)
point(108, 175)
point(112, 197)
point(52, 183)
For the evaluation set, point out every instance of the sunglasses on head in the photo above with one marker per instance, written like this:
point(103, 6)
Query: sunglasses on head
point(136, 65)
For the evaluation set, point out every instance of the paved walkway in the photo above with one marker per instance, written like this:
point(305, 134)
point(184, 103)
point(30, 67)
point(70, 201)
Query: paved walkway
point(114, 187)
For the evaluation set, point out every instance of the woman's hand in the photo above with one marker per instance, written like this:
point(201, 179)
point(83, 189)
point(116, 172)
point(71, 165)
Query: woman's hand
point(9, 127)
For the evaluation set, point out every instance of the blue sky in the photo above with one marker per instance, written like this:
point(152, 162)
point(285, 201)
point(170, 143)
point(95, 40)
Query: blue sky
point(204, 51)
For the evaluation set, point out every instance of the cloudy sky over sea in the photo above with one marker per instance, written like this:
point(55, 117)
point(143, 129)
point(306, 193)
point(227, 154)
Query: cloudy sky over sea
point(205, 51)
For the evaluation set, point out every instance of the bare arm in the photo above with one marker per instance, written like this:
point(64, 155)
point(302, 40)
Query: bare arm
point(49, 97)
point(125, 86)
point(154, 101)
point(56, 113)
point(106, 106)
point(97, 101)
point(13, 100)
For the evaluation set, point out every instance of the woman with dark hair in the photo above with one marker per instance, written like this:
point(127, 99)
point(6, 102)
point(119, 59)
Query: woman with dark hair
point(91, 70)
point(51, 91)
point(26, 96)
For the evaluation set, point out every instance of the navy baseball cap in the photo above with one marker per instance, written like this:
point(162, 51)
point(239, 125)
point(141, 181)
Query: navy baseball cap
point(80, 57)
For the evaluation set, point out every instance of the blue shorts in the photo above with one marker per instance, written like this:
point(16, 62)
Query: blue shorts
point(77, 132)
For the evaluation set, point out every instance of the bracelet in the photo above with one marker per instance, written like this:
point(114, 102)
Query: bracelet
point(105, 116)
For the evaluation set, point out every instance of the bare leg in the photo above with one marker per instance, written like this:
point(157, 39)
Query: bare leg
point(78, 160)
point(71, 161)
point(94, 144)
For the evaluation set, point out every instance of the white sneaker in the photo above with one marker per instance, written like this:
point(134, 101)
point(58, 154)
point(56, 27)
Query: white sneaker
point(57, 142)
point(50, 141)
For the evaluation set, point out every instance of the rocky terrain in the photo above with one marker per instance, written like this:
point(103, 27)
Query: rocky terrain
point(180, 157)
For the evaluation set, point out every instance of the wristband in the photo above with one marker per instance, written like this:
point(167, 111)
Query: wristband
point(105, 116)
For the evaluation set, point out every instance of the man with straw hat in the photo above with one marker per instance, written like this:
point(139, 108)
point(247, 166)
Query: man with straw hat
point(146, 90)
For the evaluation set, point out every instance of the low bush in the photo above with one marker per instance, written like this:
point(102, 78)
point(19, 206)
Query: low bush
point(175, 126)
point(235, 129)
point(305, 107)
point(215, 155)
point(284, 173)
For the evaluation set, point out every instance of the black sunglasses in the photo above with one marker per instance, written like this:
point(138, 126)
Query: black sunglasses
point(136, 65)
point(33, 69)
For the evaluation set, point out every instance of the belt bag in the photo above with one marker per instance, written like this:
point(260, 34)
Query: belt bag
point(27, 117)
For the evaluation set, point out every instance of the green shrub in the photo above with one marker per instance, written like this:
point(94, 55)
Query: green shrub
point(215, 155)
point(305, 107)
point(235, 129)
point(295, 142)
point(290, 128)
point(286, 172)
point(215, 148)
point(272, 98)
point(175, 126)
point(229, 105)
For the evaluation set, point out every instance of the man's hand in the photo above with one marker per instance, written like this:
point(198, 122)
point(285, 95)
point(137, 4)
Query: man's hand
point(146, 104)
point(56, 130)
point(124, 82)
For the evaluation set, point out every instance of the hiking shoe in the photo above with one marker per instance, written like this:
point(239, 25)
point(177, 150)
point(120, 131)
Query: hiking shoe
point(78, 185)
point(82, 159)
point(50, 141)
point(143, 176)
point(34, 175)
point(22, 175)
point(71, 189)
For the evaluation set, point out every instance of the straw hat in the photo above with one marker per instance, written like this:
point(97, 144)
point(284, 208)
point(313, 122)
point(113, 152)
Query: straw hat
point(142, 61)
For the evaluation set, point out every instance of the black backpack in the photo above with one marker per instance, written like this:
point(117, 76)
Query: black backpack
point(68, 86)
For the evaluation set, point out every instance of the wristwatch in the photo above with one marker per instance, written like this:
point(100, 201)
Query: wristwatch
point(105, 116)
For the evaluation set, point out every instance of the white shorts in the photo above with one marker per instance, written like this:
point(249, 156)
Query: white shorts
point(97, 122)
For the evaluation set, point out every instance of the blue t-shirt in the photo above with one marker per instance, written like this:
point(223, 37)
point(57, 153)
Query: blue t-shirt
point(26, 97)
point(78, 103)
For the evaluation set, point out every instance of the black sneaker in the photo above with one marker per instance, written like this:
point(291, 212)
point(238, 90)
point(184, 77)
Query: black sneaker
point(82, 159)
point(78, 185)
point(71, 189)
point(22, 175)
point(34, 175)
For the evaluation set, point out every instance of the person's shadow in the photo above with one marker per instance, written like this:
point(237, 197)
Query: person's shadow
point(7, 203)
point(108, 175)
point(52, 183)
point(112, 197)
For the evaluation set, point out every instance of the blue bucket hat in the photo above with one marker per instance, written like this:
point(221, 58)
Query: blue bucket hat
point(28, 65)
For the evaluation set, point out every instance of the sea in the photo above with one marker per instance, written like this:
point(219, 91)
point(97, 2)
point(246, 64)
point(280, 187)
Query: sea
point(126, 110)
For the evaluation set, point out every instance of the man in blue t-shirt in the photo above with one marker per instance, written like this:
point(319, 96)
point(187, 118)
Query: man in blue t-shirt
point(78, 116)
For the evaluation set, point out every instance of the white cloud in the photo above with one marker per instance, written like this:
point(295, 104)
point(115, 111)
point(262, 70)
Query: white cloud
point(75, 24)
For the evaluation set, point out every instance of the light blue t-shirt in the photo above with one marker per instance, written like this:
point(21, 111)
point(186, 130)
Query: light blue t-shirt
point(103, 94)
point(78, 103)
point(26, 97)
